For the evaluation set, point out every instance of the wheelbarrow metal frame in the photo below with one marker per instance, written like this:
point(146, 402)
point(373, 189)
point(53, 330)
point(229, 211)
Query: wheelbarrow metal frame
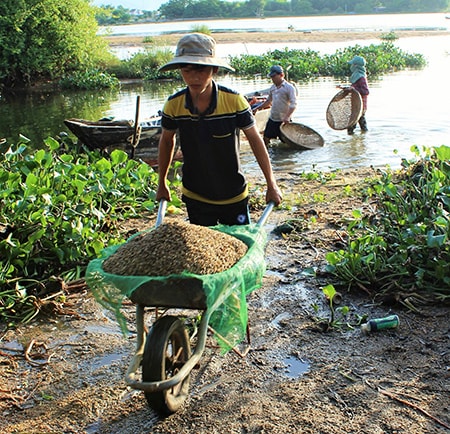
point(155, 386)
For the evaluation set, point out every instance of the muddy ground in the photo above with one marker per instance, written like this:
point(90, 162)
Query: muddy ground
point(65, 373)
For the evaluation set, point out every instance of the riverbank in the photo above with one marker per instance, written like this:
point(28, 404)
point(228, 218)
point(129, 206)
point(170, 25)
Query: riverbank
point(270, 37)
point(66, 374)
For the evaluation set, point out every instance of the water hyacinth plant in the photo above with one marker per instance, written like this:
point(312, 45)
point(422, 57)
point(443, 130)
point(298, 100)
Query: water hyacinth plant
point(59, 210)
point(305, 64)
point(401, 253)
point(299, 64)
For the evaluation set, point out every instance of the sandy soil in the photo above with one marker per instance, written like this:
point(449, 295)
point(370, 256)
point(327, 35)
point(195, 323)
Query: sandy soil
point(259, 37)
point(65, 374)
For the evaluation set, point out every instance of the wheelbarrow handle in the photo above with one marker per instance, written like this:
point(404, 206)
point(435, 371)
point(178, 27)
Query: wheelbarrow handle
point(265, 215)
point(161, 212)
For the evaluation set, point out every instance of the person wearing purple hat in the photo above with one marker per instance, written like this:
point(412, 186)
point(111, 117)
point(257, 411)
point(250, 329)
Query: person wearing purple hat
point(358, 80)
point(283, 100)
point(208, 118)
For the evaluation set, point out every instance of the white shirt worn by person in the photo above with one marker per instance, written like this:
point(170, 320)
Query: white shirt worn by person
point(283, 98)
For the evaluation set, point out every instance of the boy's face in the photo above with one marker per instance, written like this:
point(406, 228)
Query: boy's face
point(197, 77)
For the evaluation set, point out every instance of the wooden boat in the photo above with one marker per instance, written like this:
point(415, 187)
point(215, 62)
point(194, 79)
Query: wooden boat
point(107, 133)
point(261, 116)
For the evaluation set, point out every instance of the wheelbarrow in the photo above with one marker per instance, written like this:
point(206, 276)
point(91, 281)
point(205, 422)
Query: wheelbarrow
point(163, 360)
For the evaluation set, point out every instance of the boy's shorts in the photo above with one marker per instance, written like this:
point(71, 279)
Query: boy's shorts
point(206, 214)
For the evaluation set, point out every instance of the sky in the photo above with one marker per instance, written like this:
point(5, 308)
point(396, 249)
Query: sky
point(146, 5)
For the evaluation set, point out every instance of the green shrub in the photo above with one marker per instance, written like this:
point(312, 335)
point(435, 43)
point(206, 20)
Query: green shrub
point(145, 65)
point(201, 28)
point(48, 39)
point(90, 79)
point(391, 36)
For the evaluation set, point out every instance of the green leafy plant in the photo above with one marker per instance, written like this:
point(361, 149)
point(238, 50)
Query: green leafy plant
point(402, 251)
point(305, 64)
point(89, 79)
point(339, 316)
point(47, 40)
point(146, 65)
point(201, 28)
point(59, 210)
point(391, 36)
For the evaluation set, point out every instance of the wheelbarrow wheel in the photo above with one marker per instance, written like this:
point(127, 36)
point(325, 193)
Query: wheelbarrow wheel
point(167, 348)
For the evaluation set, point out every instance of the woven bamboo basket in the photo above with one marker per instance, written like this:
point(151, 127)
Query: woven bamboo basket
point(344, 109)
point(300, 136)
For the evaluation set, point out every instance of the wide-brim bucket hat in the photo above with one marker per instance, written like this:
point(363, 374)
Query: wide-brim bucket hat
point(196, 49)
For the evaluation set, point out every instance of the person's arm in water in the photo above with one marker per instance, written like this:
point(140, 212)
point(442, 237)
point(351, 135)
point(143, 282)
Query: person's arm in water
point(165, 155)
point(262, 157)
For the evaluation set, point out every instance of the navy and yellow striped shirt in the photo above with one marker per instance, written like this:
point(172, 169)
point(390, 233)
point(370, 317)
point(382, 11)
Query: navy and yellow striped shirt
point(210, 144)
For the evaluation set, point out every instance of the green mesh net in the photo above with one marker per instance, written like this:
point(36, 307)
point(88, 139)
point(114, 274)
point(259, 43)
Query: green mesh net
point(225, 292)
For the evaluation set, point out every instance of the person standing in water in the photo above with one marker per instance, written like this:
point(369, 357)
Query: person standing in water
point(208, 118)
point(358, 80)
point(283, 100)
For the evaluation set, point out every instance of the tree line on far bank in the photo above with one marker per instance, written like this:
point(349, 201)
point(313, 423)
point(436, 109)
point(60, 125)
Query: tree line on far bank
point(192, 9)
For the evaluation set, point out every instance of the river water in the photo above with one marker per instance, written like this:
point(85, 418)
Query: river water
point(405, 108)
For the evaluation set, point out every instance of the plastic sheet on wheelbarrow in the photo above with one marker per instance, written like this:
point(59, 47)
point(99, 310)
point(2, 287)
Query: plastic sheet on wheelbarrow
point(225, 292)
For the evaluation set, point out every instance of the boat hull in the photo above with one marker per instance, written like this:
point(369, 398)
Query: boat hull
point(106, 134)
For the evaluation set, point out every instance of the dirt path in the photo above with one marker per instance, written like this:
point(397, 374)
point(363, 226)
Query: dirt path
point(296, 378)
